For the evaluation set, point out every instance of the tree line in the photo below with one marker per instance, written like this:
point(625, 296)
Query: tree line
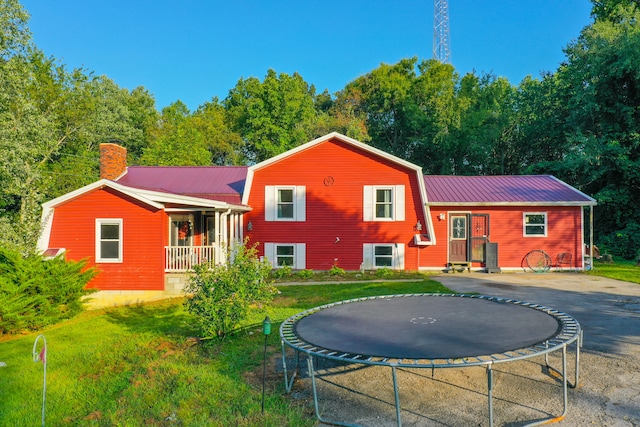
point(580, 122)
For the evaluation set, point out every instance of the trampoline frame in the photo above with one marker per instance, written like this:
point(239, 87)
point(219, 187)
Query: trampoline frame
point(568, 333)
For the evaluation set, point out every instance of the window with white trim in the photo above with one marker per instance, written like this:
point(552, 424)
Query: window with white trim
point(383, 203)
point(383, 255)
point(535, 224)
point(284, 203)
point(285, 207)
point(108, 240)
point(286, 254)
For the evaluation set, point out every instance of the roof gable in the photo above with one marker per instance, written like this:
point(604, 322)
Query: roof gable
point(332, 136)
point(503, 190)
point(97, 186)
point(342, 138)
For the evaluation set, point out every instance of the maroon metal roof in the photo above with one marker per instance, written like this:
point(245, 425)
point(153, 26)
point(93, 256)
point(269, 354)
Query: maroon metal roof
point(223, 183)
point(507, 189)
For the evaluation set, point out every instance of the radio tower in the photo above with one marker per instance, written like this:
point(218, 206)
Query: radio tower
point(441, 49)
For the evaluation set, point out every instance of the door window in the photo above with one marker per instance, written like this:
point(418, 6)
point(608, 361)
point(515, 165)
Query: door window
point(459, 227)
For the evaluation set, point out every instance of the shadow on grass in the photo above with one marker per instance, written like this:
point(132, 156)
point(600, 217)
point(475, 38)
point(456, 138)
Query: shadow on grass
point(165, 317)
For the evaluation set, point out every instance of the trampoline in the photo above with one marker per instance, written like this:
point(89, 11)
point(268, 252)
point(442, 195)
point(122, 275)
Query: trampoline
point(430, 331)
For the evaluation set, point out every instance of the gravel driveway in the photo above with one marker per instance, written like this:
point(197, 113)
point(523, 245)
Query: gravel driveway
point(608, 393)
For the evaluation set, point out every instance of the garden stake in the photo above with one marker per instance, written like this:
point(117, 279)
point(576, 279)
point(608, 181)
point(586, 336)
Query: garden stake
point(42, 357)
point(266, 330)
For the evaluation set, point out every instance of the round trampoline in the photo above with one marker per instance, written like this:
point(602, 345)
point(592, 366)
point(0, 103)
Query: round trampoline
point(430, 331)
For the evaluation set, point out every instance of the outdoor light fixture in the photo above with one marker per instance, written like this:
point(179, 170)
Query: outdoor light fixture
point(418, 226)
point(266, 330)
point(442, 217)
point(250, 226)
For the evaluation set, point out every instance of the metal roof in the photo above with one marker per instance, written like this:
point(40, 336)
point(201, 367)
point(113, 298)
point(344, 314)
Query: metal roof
point(502, 190)
point(224, 183)
point(227, 184)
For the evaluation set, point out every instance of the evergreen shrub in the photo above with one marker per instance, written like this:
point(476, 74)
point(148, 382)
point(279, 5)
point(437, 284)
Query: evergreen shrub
point(36, 292)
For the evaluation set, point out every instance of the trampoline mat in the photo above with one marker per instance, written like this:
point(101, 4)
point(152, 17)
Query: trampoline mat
point(427, 327)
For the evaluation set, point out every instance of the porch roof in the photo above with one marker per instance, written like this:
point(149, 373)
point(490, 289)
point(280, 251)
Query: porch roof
point(222, 183)
point(503, 190)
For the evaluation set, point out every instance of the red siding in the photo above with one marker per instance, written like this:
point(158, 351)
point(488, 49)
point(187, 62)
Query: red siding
point(144, 232)
point(564, 234)
point(335, 210)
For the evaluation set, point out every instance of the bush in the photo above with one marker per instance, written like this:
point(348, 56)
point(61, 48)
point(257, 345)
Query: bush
point(384, 273)
point(220, 296)
point(305, 274)
point(282, 272)
point(37, 292)
point(336, 271)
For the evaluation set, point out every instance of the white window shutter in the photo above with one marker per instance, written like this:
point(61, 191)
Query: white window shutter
point(367, 256)
point(399, 203)
point(301, 256)
point(301, 196)
point(398, 253)
point(367, 204)
point(270, 253)
point(269, 203)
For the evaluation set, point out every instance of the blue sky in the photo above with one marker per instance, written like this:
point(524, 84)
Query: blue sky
point(194, 50)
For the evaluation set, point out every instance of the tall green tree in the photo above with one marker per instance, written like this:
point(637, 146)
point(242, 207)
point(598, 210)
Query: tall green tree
point(175, 142)
point(225, 145)
point(603, 71)
point(594, 101)
point(51, 123)
point(383, 98)
point(436, 94)
point(23, 132)
point(273, 115)
point(201, 138)
point(481, 144)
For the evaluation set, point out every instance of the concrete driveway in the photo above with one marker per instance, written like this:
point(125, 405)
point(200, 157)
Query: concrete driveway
point(608, 393)
point(609, 313)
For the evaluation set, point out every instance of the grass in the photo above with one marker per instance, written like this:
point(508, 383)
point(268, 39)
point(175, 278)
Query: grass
point(140, 365)
point(627, 271)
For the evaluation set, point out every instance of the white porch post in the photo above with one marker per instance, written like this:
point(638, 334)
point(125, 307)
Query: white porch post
point(224, 235)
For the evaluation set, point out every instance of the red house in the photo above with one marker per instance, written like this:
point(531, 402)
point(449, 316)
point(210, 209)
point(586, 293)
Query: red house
point(331, 201)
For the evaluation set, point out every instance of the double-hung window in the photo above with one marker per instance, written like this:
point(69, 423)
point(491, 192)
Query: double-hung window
point(383, 255)
point(284, 202)
point(285, 209)
point(535, 224)
point(286, 254)
point(383, 203)
point(108, 240)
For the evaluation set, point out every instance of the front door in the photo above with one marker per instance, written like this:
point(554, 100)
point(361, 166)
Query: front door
point(479, 235)
point(467, 237)
point(458, 240)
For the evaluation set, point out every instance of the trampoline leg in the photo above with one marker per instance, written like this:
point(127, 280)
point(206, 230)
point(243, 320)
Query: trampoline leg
point(565, 382)
point(578, 345)
point(312, 374)
point(565, 397)
point(490, 393)
point(396, 395)
point(288, 383)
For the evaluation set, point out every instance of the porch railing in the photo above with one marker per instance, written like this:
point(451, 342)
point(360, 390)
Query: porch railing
point(184, 258)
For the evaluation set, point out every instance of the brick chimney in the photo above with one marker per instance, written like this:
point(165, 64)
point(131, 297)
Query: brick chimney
point(113, 161)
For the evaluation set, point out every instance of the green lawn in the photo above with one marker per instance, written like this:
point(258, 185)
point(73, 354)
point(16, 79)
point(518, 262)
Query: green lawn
point(620, 270)
point(140, 365)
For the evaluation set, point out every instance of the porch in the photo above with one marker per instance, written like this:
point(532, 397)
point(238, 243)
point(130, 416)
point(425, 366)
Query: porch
point(180, 259)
